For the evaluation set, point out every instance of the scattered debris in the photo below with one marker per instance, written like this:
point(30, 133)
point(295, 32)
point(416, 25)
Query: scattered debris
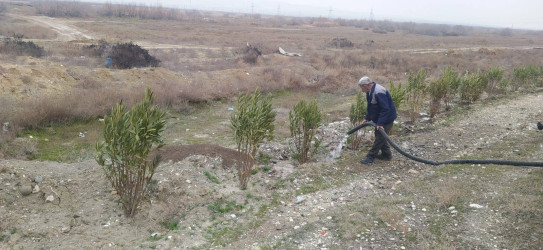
point(473, 205)
point(50, 198)
point(283, 52)
point(5, 127)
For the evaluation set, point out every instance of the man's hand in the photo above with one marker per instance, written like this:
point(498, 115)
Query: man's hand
point(364, 121)
point(380, 128)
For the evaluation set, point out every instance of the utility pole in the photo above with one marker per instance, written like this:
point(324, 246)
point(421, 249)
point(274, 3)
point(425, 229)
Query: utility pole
point(252, 8)
point(330, 13)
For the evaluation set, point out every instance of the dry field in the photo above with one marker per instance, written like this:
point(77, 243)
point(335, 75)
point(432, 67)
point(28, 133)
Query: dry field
point(327, 203)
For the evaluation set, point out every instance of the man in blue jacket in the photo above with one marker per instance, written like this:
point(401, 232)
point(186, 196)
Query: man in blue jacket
point(381, 111)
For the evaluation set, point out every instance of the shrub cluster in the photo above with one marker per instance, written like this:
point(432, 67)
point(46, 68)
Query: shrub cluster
point(250, 54)
point(124, 154)
point(472, 86)
point(78, 9)
point(528, 75)
point(466, 88)
point(123, 55)
point(61, 8)
point(304, 119)
point(129, 55)
point(416, 91)
point(398, 93)
point(252, 123)
point(437, 89)
point(16, 46)
point(494, 77)
point(141, 11)
point(341, 43)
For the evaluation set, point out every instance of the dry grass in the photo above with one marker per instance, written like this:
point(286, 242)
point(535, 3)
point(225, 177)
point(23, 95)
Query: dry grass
point(393, 217)
point(520, 203)
point(448, 193)
point(14, 25)
point(20, 148)
point(204, 51)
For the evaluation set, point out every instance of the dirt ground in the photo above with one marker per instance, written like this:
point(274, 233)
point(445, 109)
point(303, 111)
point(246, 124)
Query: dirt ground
point(195, 201)
point(49, 205)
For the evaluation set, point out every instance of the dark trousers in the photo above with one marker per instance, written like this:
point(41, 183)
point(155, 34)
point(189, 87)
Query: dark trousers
point(381, 143)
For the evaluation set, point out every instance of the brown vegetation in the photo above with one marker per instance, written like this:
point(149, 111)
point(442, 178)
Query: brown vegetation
point(205, 62)
point(206, 56)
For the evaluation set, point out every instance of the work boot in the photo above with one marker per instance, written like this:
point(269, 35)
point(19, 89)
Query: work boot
point(384, 157)
point(367, 160)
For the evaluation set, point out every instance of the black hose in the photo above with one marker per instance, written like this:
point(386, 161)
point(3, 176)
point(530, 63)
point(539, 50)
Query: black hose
point(435, 163)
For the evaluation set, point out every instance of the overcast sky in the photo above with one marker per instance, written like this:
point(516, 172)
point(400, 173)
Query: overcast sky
point(518, 14)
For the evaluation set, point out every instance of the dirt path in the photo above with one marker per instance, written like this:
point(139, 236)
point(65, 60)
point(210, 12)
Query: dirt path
point(69, 32)
point(481, 128)
point(66, 32)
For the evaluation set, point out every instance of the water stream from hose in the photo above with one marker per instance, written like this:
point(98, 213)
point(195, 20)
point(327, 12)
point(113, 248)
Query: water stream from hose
point(337, 152)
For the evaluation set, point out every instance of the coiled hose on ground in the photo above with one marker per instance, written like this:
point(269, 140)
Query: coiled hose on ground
point(435, 163)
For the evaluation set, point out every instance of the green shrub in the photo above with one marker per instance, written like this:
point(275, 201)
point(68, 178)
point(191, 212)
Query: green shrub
point(304, 119)
point(222, 206)
point(170, 224)
point(504, 84)
point(472, 86)
point(212, 177)
point(124, 153)
point(438, 90)
point(398, 94)
point(453, 81)
point(356, 116)
point(416, 93)
point(252, 123)
point(533, 75)
point(521, 77)
point(494, 76)
point(539, 77)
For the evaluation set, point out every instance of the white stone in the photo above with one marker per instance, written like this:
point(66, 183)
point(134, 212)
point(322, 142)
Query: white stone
point(36, 189)
point(473, 205)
